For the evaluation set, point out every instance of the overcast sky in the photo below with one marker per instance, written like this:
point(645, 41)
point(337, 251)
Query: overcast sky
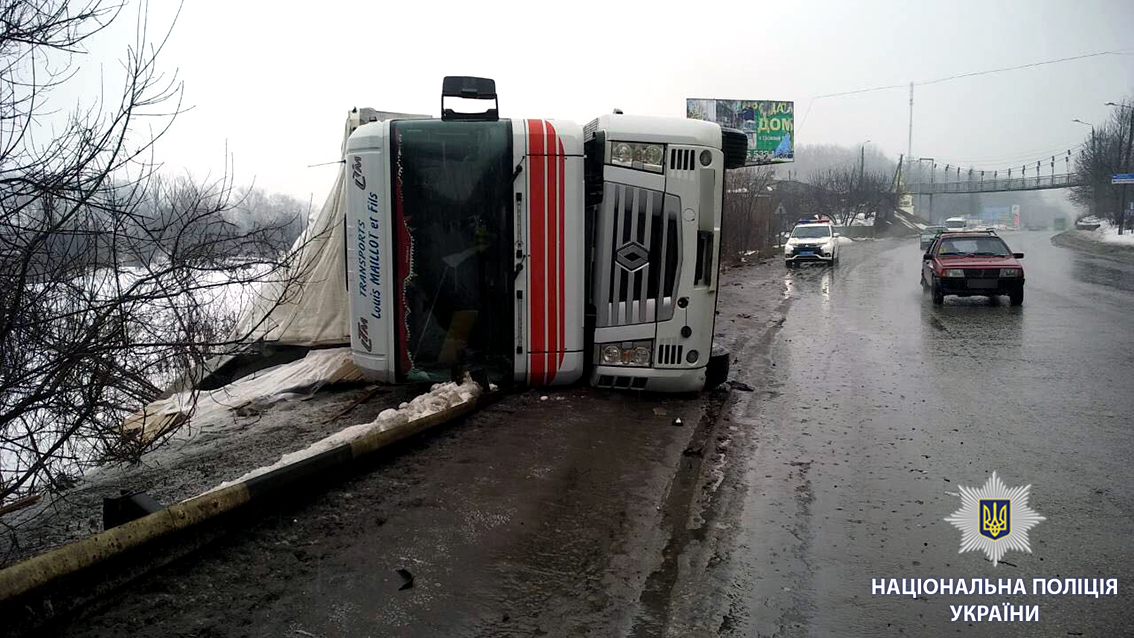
point(274, 80)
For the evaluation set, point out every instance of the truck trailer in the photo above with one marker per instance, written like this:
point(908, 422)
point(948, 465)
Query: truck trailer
point(536, 250)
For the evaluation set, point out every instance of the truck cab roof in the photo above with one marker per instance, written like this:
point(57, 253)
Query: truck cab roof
point(668, 130)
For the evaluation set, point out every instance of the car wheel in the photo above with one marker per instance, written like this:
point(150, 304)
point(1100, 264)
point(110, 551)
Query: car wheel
point(938, 294)
point(789, 264)
point(1017, 298)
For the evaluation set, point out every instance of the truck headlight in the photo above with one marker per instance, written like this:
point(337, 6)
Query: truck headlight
point(627, 353)
point(611, 354)
point(1009, 272)
point(623, 155)
point(640, 356)
point(646, 157)
point(954, 272)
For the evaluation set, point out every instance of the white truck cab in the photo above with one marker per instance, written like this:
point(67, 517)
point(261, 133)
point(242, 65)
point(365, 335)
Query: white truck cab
point(535, 249)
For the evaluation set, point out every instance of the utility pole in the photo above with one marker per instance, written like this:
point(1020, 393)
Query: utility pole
point(861, 163)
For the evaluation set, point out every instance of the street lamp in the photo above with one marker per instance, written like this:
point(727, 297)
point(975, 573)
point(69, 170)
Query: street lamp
point(1084, 123)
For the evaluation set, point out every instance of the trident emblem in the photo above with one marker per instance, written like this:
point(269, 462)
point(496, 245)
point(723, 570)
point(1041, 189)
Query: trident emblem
point(995, 518)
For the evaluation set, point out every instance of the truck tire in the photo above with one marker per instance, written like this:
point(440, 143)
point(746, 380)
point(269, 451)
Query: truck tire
point(716, 372)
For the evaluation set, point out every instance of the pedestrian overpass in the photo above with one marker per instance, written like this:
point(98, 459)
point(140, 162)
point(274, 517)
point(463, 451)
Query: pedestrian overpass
point(995, 184)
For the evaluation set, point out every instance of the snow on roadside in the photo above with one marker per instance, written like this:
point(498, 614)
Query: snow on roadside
point(440, 397)
point(843, 239)
point(1108, 234)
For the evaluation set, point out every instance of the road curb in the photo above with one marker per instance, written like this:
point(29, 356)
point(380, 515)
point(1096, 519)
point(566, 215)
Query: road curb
point(37, 576)
point(1074, 240)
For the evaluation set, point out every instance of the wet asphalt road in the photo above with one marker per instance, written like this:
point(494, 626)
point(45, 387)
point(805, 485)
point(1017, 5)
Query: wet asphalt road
point(589, 513)
point(879, 405)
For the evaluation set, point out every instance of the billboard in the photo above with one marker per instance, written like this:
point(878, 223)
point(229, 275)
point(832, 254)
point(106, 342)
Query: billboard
point(769, 125)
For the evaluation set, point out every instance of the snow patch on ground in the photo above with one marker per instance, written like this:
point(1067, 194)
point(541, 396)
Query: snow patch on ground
point(441, 397)
point(1108, 233)
point(843, 239)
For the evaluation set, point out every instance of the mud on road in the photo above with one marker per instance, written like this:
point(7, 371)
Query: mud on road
point(569, 513)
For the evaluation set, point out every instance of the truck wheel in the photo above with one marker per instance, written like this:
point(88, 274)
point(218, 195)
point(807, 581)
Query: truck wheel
point(938, 294)
point(1016, 298)
point(716, 372)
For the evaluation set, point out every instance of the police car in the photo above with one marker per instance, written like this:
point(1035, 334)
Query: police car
point(812, 239)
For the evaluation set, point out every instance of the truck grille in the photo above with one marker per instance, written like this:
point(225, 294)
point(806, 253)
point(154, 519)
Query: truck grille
point(590, 129)
point(669, 354)
point(681, 159)
point(637, 255)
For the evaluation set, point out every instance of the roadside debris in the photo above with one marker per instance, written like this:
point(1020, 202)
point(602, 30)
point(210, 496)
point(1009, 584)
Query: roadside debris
point(677, 422)
point(442, 396)
point(740, 385)
point(407, 579)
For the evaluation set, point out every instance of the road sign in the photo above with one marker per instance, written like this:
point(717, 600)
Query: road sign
point(1122, 178)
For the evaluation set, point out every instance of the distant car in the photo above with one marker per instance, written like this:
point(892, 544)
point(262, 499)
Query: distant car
point(1088, 223)
point(928, 234)
point(812, 240)
point(955, 223)
point(968, 264)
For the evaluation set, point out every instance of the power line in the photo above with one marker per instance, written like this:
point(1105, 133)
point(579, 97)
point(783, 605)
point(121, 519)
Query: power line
point(973, 74)
point(1015, 158)
point(890, 87)
point(1021, 66)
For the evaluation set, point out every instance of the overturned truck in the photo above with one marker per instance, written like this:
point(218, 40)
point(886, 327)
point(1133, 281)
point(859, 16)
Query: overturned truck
point(536, 250)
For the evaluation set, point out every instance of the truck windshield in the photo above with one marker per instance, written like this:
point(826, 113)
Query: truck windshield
point(452, 184)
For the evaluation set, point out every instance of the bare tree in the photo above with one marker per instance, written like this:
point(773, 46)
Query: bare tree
point(845, 194)
point(747, 215)
point(112, 279)
point(1108, 150)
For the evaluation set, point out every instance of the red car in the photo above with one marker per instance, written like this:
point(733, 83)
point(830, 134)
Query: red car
point(972, 263)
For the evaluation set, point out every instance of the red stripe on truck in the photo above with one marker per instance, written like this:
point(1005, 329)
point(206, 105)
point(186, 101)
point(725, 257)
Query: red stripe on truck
point(537, 242)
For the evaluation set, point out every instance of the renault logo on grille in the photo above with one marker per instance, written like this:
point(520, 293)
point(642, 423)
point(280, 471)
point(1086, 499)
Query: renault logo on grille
point(632, 256)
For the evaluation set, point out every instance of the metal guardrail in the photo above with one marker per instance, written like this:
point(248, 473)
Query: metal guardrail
point(986, 185)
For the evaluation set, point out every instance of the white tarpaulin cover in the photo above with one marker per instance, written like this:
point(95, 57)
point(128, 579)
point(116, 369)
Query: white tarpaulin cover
point(293, 380)
point(313, 311)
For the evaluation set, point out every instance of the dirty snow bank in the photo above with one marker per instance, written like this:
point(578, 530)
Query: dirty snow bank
point(1108, 234)
point(439, 398)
